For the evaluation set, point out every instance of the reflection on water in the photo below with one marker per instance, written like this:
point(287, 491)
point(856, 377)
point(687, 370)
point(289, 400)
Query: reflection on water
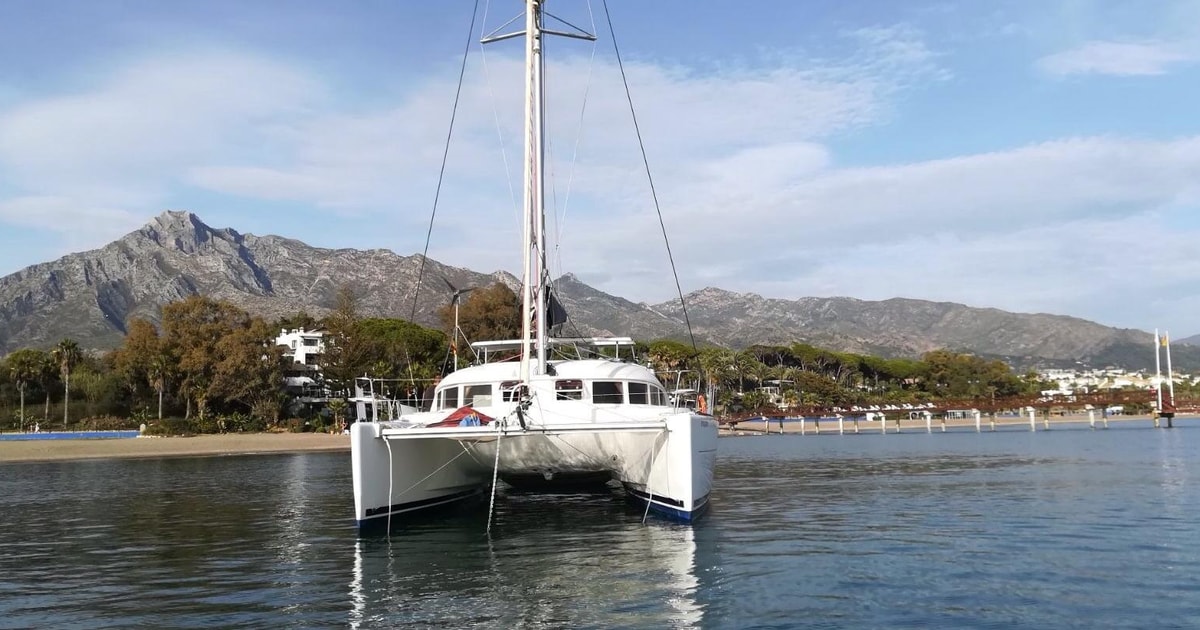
point(1057, 529)
point(551, 561)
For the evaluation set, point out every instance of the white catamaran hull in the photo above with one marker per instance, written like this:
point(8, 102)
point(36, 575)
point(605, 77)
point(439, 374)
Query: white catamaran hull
point(398, 470)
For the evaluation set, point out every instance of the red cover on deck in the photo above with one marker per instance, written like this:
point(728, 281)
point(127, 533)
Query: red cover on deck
point(464, 417)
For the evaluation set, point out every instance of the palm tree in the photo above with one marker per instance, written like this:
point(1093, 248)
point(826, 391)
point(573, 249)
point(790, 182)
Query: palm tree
point(47, 371)
point(67, 354)
point(23, 366)
point(157, 373)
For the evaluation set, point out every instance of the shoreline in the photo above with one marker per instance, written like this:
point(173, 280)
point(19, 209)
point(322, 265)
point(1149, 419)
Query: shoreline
point(31, 451)
point(829, 426)
point(231, 444)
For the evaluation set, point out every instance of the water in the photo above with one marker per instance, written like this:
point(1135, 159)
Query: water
point(1064, 529)
point(68, 435)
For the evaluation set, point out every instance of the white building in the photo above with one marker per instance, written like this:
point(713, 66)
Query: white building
point(304, 348)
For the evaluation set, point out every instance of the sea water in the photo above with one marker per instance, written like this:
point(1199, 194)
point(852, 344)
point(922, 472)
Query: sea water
point(1068, 528)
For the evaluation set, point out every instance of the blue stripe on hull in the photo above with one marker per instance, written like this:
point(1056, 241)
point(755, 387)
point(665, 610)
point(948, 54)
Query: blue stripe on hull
point(378, 515)
point(670, 511)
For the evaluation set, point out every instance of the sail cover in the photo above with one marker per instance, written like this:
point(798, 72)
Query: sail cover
point(464, 416)
point(555, 313)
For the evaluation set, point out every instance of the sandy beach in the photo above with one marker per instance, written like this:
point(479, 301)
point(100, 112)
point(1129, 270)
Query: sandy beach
point(253, 443)
point(197, 446)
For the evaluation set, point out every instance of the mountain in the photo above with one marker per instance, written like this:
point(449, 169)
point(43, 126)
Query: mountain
point(1194, 340)
point(90, 296)
point(906, 327)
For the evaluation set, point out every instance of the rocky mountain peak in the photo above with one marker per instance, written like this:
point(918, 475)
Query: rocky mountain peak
point(714, 295)
point(90, 296)
point(183, 231)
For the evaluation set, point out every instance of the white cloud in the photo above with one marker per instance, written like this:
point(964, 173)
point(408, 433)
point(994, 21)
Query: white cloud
point(1116, 58)
point(121, 142)
point(1085, 226)
point(374, 159)
point(78, 226)
point(754, 198)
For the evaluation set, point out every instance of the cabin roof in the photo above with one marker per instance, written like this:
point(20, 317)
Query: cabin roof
point(578, 369)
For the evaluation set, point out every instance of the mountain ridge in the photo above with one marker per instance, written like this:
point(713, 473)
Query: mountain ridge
point(91, 296)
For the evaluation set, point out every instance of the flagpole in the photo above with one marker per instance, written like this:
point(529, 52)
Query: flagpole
point(1166, 342)
point(1157, 371)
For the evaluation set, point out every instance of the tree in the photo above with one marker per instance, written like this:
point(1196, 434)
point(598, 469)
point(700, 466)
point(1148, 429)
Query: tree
point(24, 367)
point(249, 369)
point(716, 364)
point(158, 373)
point(132, 361)
point(402, 347)
point(301, 320)
point(193, 328)
point(47, 373)
point(486, 314)
point(93, 385)
point(744, 363)
point(337, 407)
point(347, 353)
point(670, 359)
point(66, 354)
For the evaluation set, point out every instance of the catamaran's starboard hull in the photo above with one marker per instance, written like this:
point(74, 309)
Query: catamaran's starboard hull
point(398, 471)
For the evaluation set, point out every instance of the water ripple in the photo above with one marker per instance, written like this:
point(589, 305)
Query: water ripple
point(1067, 529)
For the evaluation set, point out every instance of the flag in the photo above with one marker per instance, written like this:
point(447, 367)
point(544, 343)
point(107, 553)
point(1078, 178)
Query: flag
point(1163, 340)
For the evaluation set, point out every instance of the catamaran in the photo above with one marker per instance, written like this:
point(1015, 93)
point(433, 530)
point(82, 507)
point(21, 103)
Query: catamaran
point(562, 412)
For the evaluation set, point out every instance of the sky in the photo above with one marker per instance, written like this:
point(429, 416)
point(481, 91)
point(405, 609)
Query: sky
point(1028, 155)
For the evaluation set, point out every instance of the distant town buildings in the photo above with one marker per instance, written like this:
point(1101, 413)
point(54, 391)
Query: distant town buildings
point(1070, 381)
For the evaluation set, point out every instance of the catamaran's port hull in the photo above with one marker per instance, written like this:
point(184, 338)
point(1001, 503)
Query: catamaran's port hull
point(399, 471)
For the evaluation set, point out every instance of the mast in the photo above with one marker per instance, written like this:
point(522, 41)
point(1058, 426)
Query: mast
point(533, 239)
point(531, 314)
point(536, 153)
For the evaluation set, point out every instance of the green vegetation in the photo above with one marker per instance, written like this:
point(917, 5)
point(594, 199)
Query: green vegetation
point(212, 367)
point(807, 376)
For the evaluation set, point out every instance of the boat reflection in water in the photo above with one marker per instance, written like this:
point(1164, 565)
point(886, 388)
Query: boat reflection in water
point(562, 561)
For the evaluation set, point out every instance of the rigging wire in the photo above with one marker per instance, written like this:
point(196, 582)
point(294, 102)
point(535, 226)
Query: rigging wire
point(649, 177)
point(495, 474)
point(559, 220)
point(437, 194)
point(487, 77)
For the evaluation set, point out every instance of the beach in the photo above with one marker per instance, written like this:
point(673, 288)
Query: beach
point(195, 446)
point(253, 443)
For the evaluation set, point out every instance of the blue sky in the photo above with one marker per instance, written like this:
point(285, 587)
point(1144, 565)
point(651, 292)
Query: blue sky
point(1030, 156)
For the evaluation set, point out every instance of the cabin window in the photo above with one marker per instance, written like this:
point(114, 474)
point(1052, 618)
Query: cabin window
point(658, 396)
point(639, 394)
point(449, 398)
point(607, 393)
point(478, 395)
point(510, 391)
point(568, 389)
